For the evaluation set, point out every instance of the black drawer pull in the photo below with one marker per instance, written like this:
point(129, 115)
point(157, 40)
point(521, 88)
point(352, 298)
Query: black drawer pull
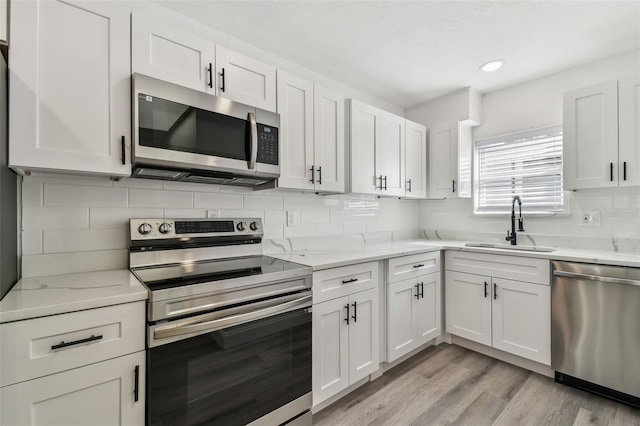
point(355, 312)
point(136, 388)
point(611, 172)
point(495, 291)
point(64, 344)
point(418, 266)
point(486, 293)
point(417, 286)
point(347, 317)
point(320, 175)
point(624, 170)
point(422, 290)
point(313, 174)
point(352, 280)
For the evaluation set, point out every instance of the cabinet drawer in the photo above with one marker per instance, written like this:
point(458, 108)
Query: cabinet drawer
point(407, 267)
point(47, 345)
point(502, 266)
point(338, 282)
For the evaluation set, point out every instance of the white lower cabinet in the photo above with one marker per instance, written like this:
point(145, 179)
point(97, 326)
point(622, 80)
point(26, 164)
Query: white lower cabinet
point(106, 393)
point(345, 342)
point(496, 310)
point(78, 368)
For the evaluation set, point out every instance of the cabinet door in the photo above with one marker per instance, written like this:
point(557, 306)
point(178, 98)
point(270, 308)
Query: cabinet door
point(428, 309)
point(415, 160)
point(245, 80)
point(522, 319)
point(365, 123)
point(328, 138)
point(443, 155)
point(590, 125)
point(629, 131)
point(295, 106)
point(401, 318)
point(330, 349)
point(364, 349)
point(69, 86)
point(390, 153)
point(173, 54)
point(468, 306)
point(98, 393)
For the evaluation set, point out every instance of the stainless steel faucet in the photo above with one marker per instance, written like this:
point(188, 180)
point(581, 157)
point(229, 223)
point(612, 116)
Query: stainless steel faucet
point(512, 237)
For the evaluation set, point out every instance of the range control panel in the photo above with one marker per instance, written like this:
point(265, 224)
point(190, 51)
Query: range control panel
point(153, 229)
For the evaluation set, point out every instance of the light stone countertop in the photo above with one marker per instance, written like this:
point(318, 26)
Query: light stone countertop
point(57, 294)
point(319, 258)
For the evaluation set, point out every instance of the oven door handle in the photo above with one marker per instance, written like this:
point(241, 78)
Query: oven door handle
point(203, 323)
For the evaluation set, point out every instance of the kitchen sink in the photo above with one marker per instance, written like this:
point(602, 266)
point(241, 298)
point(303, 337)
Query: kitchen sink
point(510, 247)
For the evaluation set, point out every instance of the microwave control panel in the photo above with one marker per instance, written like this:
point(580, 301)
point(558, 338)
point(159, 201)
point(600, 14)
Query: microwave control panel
point(267, 145)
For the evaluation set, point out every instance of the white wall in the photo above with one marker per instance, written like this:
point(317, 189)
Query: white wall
point(535, 104)
point(75, 224)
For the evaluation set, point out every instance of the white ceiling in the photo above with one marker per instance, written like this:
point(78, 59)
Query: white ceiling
point(407, 52)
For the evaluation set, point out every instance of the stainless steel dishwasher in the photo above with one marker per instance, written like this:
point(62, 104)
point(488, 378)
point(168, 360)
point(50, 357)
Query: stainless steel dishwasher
point(595, 329)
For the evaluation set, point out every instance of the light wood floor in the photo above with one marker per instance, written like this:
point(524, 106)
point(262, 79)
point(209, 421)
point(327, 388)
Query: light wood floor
point(452, 385)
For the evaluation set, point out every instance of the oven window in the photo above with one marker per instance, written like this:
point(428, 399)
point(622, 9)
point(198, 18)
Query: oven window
point(232, 376)
point(177, 127)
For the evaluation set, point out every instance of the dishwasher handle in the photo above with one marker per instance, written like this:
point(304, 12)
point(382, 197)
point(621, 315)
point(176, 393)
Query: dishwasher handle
point(596, 278)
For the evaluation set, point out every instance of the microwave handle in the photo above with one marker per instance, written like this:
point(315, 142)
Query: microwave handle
point(254, 141)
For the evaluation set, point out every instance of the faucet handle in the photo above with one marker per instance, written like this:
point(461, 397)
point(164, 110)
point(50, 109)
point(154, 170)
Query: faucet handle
point(508, 237)
point(520, 225)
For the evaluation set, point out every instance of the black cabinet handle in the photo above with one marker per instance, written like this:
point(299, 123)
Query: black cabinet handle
point(210, 70)
point(624, 170)
point(417, 286)
point(409, 185)
point(495, 291)
point(385, 183)
point(486, 291)
point(380, 179)
point(222, 85)
point(136, 388)
point(453, 185)
point(64, 344)
point(611, 172)
point(347, 308)
point(355, 312)
point(124, 147)
point(352, 280)
point(313, 174)
point(422, 290)
point(320, 175)
point(418, 266)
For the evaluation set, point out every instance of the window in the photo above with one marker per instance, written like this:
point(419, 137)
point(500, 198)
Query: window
point(528, 164)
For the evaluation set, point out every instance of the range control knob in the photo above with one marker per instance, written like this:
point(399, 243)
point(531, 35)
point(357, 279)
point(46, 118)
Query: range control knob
point(253, 226)
point(240, 226)
point(165, 228)
point(145, 229)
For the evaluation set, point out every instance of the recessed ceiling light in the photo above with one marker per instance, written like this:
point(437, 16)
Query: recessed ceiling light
point(492, 65)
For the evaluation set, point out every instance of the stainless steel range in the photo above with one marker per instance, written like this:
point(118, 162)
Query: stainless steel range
point(229, 330)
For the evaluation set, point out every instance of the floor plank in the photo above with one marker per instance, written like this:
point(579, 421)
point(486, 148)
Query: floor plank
point(452, 385)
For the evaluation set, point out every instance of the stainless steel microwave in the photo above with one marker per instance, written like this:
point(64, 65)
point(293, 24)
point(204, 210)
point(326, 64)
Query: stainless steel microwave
point(186, 135)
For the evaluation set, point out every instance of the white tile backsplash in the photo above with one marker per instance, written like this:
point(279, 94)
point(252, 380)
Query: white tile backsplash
point(80, 224)
point(58, 195)
point(55, 218)
point(160, 198)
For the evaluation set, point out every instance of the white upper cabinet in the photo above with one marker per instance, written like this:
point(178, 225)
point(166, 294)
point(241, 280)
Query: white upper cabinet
point(415, 160)
point(245, 80)
point(329, 136)
point(69, 86)
point(179, 56)
point(295, 106)
point(602, 135)
point(365, 129)
point(311, 135)
point(390, 152)
point(170, 53)
point(629, 131)
point(378, 152)
point(450, 161)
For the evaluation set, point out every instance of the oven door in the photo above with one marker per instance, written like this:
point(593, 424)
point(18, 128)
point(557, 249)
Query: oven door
point(234, 375)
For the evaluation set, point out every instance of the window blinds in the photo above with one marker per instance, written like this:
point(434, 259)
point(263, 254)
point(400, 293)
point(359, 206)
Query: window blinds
point(528, 164)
